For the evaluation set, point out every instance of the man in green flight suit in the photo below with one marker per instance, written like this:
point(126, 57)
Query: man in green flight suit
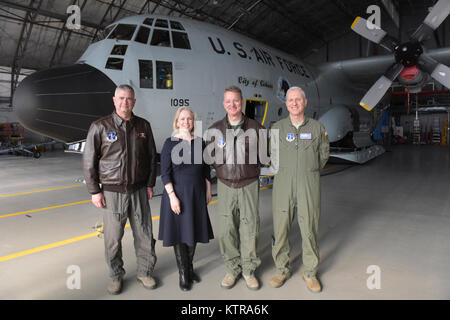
point(303, 151)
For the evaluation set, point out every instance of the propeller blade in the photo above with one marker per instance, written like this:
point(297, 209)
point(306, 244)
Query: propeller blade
point(433, 20)
point(379, 88)
point(373, 33)
point(438, 71)
point(438, 14)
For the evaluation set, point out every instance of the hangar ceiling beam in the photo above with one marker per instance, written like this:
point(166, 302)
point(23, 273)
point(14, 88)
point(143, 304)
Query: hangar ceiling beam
point(88, 35)
point(192, 9)
point(245, 12)
point(64, 35)
point(285, 13)
point(146, 5)
point(392, 11)
point(22, 44)
point(190, 5)
point(45, 13)
point(259, 18)
point(112, 5)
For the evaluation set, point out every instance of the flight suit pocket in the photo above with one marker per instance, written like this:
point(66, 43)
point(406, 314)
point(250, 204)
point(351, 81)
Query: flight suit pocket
point(109, 171)
point(313, 143)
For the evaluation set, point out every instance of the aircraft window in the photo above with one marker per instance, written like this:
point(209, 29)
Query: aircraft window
point(148, 21)
point(161, 23)
point(180, 40)
point(164, 75)
point(123, 32)
point(114, 63)
point(176, 25)
point(142, 35)
point(103, 33)
point(119, 50)
point(160, 38)
point(146, 73)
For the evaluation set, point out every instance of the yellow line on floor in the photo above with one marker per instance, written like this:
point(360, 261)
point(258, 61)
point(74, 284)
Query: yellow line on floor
point(42, 190)
point(329, 168)
point(42, 209)
point(55, 244)
point(68, 241)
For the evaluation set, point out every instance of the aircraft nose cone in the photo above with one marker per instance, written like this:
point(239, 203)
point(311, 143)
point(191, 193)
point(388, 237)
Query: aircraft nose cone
point(61, 103)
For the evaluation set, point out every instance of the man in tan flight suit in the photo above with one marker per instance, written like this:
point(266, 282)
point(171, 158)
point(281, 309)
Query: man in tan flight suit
point(236, 143)
point(303, 151)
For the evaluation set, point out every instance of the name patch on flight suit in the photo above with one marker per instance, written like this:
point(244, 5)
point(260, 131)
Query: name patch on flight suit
point(305, 136)
point(111, 136)
point(290, 137)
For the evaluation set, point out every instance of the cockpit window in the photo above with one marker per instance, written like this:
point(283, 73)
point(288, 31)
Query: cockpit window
point(114, 63)
point(102, 34)
point(161, 23)
point(176, 25)
point(164, 75)
point(148, 21)
point(180, 40)
point(119, 50)
point(123, 32)
point(142, 35)
point(146, 74)
point(160, 38)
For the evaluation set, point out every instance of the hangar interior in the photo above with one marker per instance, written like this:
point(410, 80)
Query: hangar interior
point(392, 212)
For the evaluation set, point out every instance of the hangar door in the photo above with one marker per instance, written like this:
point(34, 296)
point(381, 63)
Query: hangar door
point(256, 109)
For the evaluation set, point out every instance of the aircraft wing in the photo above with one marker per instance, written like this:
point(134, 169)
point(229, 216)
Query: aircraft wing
point(363, 72)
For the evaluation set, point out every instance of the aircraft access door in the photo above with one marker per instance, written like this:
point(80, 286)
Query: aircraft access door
point(256, 109)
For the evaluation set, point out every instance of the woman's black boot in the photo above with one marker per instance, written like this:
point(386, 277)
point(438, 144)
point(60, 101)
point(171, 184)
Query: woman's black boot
point(192, 275)
point(182, 257)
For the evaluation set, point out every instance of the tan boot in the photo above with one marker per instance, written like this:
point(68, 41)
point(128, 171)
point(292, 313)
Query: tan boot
point(229, 281)
point(115, 287)
point(279, 279)
point(148, 282)
point(312, 284)
point(252, 282)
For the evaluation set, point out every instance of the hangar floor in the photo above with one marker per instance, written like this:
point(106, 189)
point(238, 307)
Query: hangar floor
point(392, 213)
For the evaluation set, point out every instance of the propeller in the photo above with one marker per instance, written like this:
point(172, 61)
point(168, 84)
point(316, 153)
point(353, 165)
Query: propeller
point(406, 54)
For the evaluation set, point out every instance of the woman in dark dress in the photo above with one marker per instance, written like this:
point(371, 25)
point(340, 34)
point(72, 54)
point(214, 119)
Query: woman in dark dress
point(184, 218)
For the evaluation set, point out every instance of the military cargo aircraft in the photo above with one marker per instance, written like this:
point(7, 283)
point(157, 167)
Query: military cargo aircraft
point(173, 62)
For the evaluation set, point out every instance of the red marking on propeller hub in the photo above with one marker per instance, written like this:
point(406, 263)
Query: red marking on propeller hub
point(409, 73)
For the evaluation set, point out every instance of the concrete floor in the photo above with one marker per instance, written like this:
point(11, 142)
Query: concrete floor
point(392, 213)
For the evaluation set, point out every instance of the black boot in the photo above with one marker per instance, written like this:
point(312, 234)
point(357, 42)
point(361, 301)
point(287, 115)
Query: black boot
point(192, 275)
point(182, 257)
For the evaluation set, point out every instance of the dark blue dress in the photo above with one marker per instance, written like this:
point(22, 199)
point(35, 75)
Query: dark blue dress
point(192, 225)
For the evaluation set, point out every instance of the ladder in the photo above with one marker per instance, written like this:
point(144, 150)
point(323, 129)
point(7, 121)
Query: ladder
point(436, 131)
point(416, 131)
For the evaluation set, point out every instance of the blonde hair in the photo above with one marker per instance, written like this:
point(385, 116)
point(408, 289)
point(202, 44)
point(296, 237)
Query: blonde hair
point(177, 115)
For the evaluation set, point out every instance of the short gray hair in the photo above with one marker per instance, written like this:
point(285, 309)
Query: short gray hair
point(235, 89)
point(125, 87)
point(296, 88)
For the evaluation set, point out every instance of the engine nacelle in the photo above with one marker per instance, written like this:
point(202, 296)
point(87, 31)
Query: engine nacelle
point(338, 122)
